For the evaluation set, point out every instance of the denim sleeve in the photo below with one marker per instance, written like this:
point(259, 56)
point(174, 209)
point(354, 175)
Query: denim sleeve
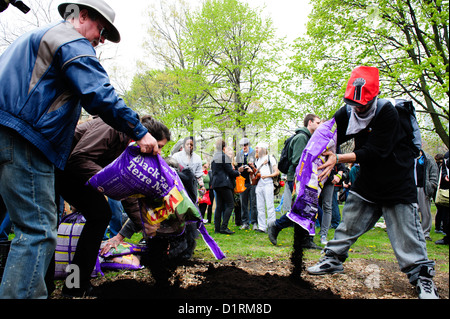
point(90, 82)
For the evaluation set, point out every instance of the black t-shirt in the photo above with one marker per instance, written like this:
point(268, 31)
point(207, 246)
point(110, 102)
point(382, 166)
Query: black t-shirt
point(386, 160)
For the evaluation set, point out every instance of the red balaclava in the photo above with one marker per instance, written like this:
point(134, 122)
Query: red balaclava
point(363, 86)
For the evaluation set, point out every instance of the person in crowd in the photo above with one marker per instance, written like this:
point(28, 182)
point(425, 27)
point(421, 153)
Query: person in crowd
point(115, 223)
point(427, 182)
point(186, 158)
point(346, 183)
point(385, 185)
point(47, 76)
point(205, 200)
point(268, 169)
point(326, 195)
point(223, 176)
point(95, 146)
point(444, 209)
point(209, 214)
point(302, 135)
point(438, 221)
point(352, 176)
point(245, 157)
point(236, 200)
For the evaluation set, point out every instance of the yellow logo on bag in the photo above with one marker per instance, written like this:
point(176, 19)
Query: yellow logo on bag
point(156, 215)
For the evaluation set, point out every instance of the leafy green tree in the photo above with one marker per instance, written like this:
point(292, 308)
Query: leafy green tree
point(225, 85)
point(406, 39)
point(175, 91)
point(238, 50)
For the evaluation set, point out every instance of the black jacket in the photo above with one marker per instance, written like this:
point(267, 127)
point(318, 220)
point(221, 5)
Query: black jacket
point(223, 174)
point(241, 160)
point(385, 158)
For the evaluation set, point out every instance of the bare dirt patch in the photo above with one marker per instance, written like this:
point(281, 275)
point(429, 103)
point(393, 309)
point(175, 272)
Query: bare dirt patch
point(264, 279)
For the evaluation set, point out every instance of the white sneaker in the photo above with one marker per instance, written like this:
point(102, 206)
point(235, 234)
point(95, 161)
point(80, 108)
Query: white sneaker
point(426, 289)
point(326, 265)
point(323, 240)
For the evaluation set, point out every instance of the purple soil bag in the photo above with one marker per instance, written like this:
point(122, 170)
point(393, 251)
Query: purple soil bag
point(124, 256)
point(69, 231)
point(307, 185)
point(125, 249)
point(163, 199)
point(135, 174)
point(123, 262)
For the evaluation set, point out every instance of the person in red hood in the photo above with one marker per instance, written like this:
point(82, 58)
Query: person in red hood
point(385, 187)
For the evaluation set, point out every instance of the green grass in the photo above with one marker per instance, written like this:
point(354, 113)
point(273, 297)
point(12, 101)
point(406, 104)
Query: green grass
point(374, 245)
point(248, 244)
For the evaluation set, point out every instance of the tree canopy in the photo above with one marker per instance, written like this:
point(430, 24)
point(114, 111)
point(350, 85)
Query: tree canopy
point(219, 65)
point(222, 68)
point(406, 39)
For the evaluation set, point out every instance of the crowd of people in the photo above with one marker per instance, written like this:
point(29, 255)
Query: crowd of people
point(45, 157)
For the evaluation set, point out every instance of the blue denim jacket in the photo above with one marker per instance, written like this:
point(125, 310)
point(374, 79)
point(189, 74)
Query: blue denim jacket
point(46, 76)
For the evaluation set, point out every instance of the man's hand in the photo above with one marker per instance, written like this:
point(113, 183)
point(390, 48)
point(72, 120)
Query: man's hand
point(331, 162)
point(148, 144)
point(327, 167)
point(112, 243)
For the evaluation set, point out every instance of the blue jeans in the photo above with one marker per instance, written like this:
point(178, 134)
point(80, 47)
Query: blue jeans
point(402, 225)
point(327, 207)
point(247, 198)
point(27, 186)
point(115, 225)
point(5, 228)
point(336, 214)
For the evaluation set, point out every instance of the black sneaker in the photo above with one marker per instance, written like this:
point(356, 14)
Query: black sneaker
point(443, 241)
point(227, 231)
point(273, 232)
point(309, 243)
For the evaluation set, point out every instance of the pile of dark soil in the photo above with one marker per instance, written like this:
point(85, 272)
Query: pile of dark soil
point(223, 281)
point(263, 278)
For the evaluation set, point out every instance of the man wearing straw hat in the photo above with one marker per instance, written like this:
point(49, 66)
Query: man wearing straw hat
point(46, 76)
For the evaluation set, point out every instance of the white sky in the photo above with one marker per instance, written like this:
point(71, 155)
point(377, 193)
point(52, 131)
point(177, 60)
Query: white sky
point(289, 18)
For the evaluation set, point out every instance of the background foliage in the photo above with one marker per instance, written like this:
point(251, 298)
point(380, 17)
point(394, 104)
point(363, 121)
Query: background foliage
point(221, 70)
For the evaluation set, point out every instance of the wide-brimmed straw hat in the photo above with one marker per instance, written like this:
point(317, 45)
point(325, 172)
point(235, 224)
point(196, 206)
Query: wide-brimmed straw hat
point(101, 7)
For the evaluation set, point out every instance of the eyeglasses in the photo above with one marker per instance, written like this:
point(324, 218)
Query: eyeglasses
point(104, 33)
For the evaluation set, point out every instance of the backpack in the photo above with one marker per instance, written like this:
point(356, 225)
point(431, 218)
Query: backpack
point(277, 184)
point(408, 120)
point(276, 180)
point(285, 163)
